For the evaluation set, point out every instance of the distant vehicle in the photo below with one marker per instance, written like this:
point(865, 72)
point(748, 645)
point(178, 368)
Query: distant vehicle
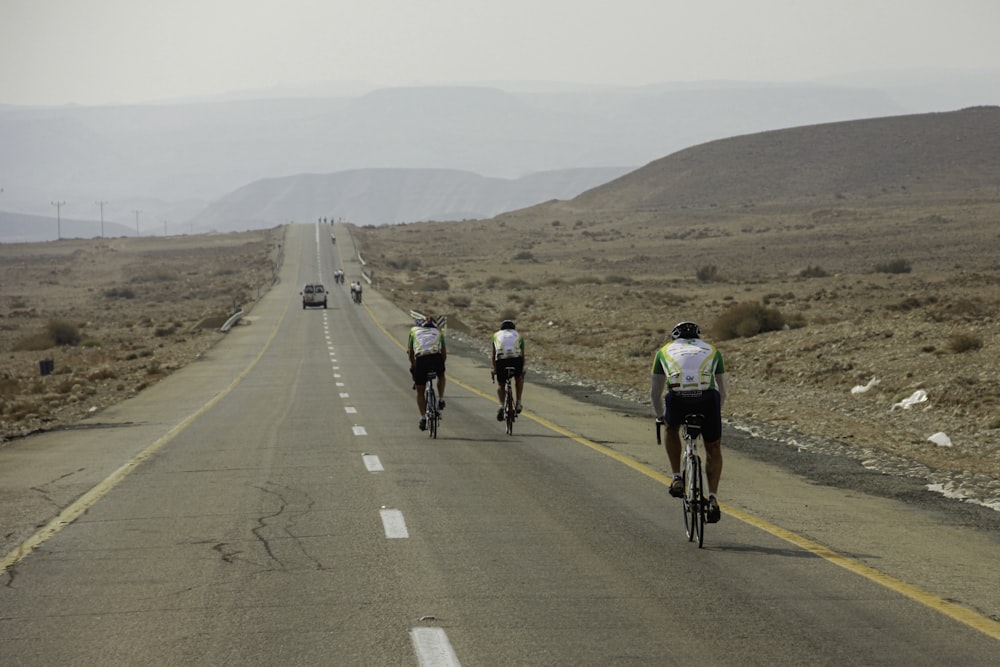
point(313, 294)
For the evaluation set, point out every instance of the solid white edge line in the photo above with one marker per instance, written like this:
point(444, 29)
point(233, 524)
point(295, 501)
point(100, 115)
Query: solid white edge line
point(433, 648)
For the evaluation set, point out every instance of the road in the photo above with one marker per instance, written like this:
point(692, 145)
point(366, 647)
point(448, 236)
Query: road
point(275, 504)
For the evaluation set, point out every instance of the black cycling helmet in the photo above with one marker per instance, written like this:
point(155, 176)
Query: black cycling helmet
point(429, 322)
point(686, 330)
point(507, 324)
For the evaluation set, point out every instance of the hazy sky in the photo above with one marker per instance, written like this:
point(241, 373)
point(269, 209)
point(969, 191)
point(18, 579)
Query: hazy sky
point(126, 51)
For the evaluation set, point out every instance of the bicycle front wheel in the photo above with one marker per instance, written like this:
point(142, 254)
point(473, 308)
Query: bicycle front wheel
point(694, 500)
point(698, 508)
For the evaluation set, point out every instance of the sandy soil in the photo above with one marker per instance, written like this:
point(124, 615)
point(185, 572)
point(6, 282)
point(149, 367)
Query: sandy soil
point(137, 308)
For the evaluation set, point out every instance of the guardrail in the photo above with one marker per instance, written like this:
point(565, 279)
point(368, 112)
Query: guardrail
point(231, 322)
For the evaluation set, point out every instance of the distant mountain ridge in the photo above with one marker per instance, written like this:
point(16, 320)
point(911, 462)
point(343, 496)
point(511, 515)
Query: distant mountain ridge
point(203, 151)
point(381, 196)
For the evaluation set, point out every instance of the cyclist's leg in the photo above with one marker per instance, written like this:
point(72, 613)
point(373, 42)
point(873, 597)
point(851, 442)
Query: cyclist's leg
point(420, 382)
point(519, 381)
point(421, 400)
point(712, 432)
point(502, 365)
point(713, 464)
point(441, 380)
point(672, 419)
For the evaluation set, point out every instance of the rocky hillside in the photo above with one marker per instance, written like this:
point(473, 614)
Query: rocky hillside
point(865, 159)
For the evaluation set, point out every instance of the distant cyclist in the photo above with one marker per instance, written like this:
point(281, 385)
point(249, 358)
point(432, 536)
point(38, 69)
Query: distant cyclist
point(427, 352)
point(694, 377)
point(508, 352)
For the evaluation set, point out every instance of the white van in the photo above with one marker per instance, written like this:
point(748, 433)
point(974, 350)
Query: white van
point(313, 294)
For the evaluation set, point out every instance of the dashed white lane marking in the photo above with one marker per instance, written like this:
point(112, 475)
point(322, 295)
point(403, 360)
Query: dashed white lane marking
point(350, 410)
point(344, 394)
point(337, 375)
point(433, 648)
point(393, 523)
point(372, 463)
point(340, 384)
point(359, 430)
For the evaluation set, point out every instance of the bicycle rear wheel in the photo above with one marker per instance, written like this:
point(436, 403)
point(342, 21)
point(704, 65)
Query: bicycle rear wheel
point(431, 411)
point(508, 409)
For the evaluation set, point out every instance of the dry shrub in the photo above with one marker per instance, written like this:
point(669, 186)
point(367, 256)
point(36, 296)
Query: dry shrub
point(964, 343)
point(813, 272)
point(432, 284)
point(894, 266)
point(63, 332)
point(155, 275)
point(707, 273)
point(119, 293)
point(743, 320)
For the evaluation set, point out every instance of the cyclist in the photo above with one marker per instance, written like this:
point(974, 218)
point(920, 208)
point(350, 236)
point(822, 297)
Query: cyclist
point(508, 352)
point(427, 352)
point(694, 376)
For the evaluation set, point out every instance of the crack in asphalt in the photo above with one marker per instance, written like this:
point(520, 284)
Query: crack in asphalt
point(283, 520)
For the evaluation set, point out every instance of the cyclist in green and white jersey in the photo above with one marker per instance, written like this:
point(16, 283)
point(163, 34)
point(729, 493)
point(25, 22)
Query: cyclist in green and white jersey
point(427, 352)
point(508, 352)
point(692, 373)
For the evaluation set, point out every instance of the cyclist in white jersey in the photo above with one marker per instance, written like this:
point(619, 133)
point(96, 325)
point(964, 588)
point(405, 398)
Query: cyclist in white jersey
point(508, 352)
point(427, 352)
point(694, 376)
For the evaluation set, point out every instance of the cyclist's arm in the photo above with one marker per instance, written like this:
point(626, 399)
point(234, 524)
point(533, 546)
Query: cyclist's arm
point(720, 384)
point(657, 383)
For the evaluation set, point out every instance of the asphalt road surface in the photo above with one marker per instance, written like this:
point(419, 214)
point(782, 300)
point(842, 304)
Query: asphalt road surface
point(275, 504)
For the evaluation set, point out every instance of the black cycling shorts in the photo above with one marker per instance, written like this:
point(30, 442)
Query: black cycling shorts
point(428, 362)
point(708, 404)
point(517, 363)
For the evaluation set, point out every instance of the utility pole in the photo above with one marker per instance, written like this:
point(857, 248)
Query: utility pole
point(137, 222)
point(58, 205)
point(164, 227)
point(101, 204)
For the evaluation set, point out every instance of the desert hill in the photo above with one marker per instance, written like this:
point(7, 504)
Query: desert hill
point(914, 155)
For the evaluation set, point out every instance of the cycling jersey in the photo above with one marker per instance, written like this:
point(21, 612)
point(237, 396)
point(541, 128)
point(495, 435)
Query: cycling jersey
point(508, 344)
point(426, 340)
point(690, 365)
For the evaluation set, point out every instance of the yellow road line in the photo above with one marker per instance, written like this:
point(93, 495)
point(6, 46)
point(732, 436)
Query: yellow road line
point(954, 611)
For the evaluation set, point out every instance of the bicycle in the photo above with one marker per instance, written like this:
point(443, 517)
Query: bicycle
point(431, 412)
point(509, 409)
point(694, 502)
